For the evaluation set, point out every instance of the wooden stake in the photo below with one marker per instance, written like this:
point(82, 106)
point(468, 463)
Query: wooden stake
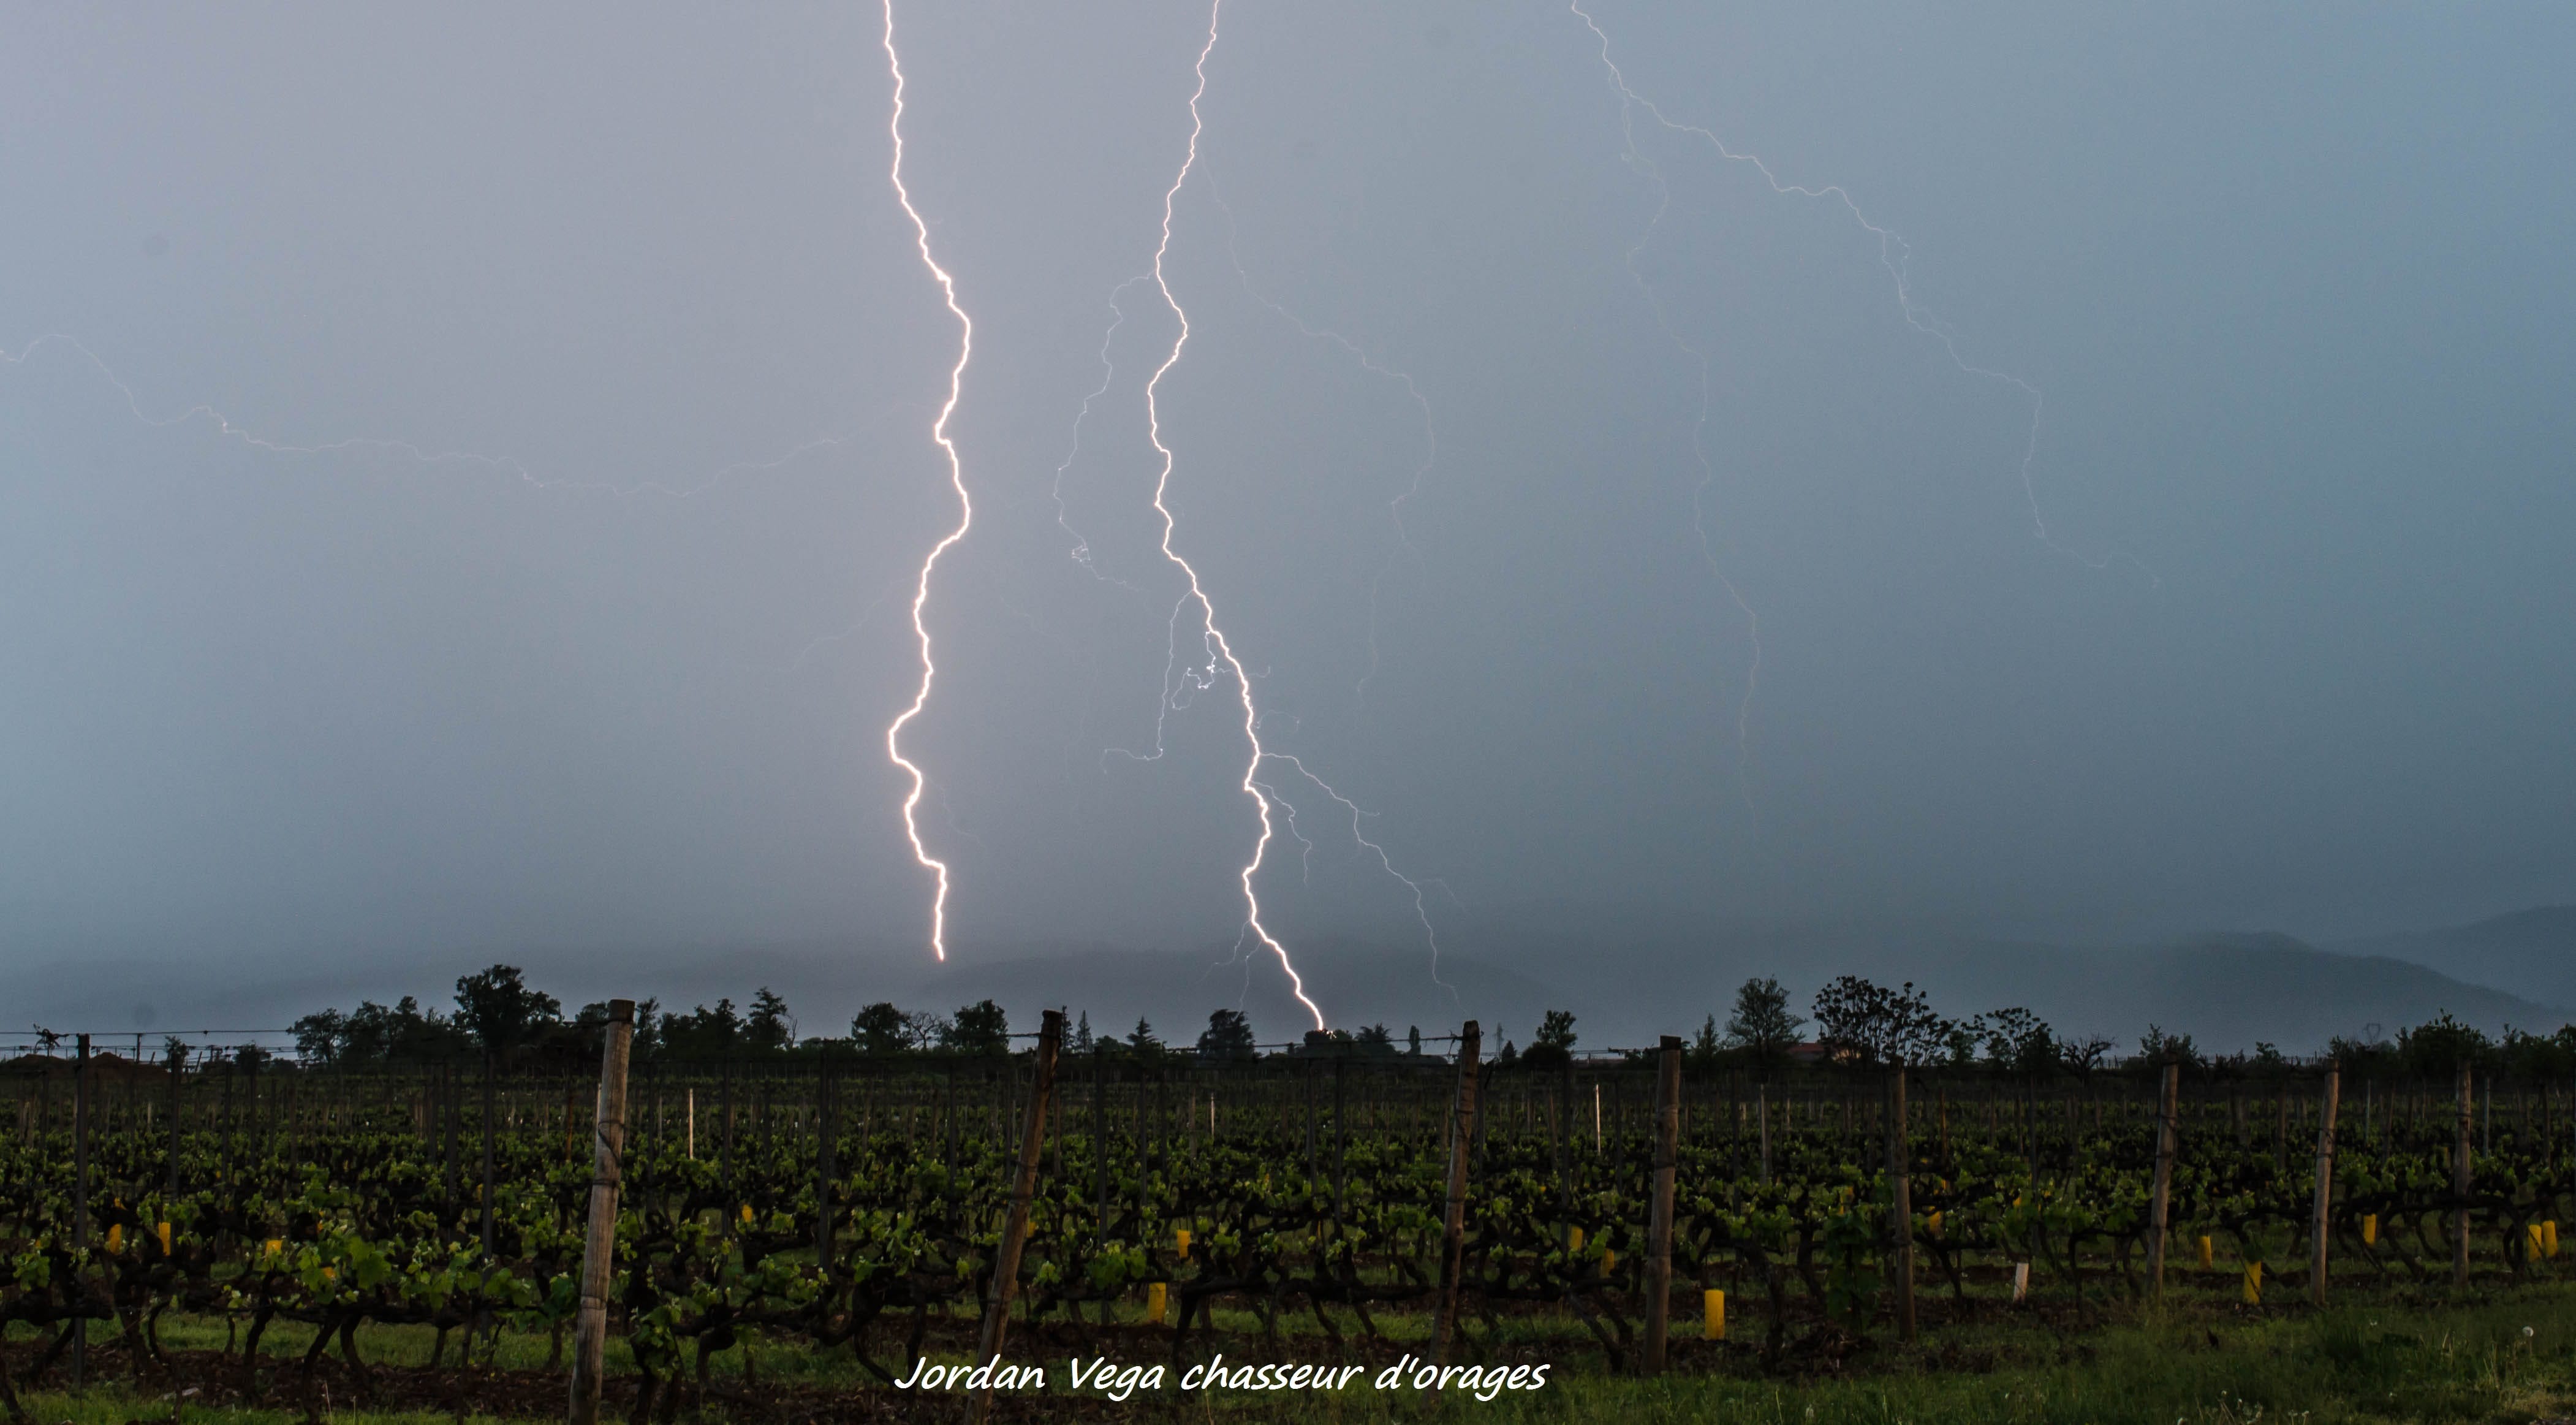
point(599, 1247)
point(1659, 1230)
point(2460, 1179)
point(1453, 1242)
point(1024, 1189)
point(2325, 1184)
point(1900, 1207)
point(2160, 1204)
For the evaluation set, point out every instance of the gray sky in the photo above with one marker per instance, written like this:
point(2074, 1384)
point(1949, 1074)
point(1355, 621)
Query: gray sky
point(2296, 652)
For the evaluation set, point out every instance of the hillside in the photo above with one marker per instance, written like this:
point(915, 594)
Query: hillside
point(1626, 981)
point(2531, 953)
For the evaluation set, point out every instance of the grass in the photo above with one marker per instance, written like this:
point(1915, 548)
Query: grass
point(2507, 1356)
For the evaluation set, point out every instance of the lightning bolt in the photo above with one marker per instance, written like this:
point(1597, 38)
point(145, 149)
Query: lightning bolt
point(965, 509)
point(1180, 686)
point(1081, 551)
point(1421, 910)
point(1893, 254)
point(1219, 650)
point(1370, 364)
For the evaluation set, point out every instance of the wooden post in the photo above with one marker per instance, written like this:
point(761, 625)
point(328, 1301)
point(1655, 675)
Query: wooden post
point(487, 1150)
point(1100, 1150)
point(1659, 1229)
point(2460, 1181)
point(1762, 1111)
point(1564, 1132)
point(2325, 1183)
point(1453, 1238)
point(178, 1072)
point(1341, 1137)
point(2160, 1204)
point(1024, 1189)
point(81, 1209)
point(599, 1247)
point(827, 1115)
point(1900, 1204)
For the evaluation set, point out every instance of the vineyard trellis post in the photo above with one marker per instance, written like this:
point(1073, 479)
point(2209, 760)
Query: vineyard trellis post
point(2460, 1180)
point(1900, 1203)
point(1341, 1139)
point(487, 1150)
point(827, 1120)
point(1100, 1154)
point(178, 1071)
point(1024, 1187)
point(2325, 1184)
point(1762, 1117)
point(1564, 1131)
point(80, 1208)
point(1453, 1232)
point(599, 1245)
point(1659, 1231)
point(2160, 1205)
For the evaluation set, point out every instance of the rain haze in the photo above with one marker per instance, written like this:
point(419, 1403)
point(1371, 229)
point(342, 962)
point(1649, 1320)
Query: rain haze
point(2059, 503)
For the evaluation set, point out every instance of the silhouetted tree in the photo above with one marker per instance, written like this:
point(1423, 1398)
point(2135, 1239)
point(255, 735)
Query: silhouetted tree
point(1228, 1036)
point(499, 1009)
point(703, 1033)
point(2017, 1041)
point(1762, 1025)
point(881, 1030)
point(979, 1028)
point(2157, 1047)
point(1142, 1043)
point(1554, 1042)
point(2436, 1048)
point(769, 1026)
point(1876, 1025)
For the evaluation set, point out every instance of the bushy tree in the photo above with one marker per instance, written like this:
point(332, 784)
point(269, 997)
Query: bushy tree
point(2157, 1047)
point(980, 1029)
point(1705, 1046)
point(703, 1033)
point(2018, 1041)
point(1082, 1034)
point(1375, 1034)
point(1228, 1036)
point(1876, 1025)
point(2436, 1048)
point(881, 1030)
point(769, 1027)
point(375, 1034)
point(1762, 1024)
point(1553, 1044)
point(1142, 1043)
point(501, 1011)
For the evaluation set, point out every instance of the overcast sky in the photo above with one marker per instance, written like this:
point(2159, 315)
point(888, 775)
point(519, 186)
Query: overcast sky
point(1494, 438)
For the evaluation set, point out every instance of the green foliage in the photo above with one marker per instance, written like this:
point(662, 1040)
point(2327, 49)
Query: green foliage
point(500, 1010)
point(1553, 1044)
point(981, 1028)
point(1228, 1036)
point(1762, 1024)
point(1868, 1022)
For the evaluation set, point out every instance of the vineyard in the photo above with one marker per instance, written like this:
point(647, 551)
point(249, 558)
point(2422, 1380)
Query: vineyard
point(837, 1202)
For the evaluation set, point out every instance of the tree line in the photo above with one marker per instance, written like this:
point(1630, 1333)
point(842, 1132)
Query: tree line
point(1854, 1021)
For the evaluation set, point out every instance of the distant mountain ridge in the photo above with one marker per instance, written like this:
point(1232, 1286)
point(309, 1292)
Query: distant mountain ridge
point(1627, 979)
point(2530, 953)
